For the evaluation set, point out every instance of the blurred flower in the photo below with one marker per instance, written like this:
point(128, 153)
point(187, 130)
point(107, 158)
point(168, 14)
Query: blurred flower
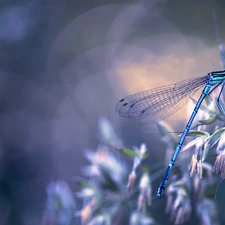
point(201, 150)
point(196, 187)
point(60, 204)
point(207, 212)
point(208, 168)
point(107, 133)
point(105, 165)
point(219, 166)
point(139, 156)
point(221, 143)
point(219, 137)
point(145, 192)
point(200, 143)
point(92, 198)
point(193, 167)
point(200, 168)
point(87, 211)
point(141, 152)
point(131, 180)
point(201, 188)
point(138, 218)
point(102, 219)
point(179, 206)
point(88, 191)
point(183, 213)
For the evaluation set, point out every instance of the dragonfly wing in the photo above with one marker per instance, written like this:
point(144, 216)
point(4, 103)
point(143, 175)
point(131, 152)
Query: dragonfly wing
point(165, 112)
point(132, 105)
point(158, 103)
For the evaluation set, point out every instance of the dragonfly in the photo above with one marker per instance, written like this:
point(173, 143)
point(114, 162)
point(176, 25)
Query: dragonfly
point(159, 103)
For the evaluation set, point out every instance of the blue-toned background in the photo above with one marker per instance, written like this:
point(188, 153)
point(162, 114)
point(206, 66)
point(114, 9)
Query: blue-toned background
point(66, 63)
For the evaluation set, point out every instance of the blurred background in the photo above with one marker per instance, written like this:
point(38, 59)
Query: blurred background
point(66, 63)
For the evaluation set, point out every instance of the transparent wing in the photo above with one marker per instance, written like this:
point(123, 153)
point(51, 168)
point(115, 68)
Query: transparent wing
point(159, 103)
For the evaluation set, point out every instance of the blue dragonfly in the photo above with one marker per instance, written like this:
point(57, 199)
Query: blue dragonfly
point(159, 103)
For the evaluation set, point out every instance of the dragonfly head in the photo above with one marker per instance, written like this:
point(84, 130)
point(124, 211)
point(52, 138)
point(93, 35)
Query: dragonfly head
point(208, 78)
point(216, 77)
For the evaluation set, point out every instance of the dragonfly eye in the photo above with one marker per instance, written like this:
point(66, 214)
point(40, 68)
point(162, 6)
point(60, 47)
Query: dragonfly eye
point(209, 77)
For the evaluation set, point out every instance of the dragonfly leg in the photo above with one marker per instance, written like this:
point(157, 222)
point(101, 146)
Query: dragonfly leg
point(221, 108)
